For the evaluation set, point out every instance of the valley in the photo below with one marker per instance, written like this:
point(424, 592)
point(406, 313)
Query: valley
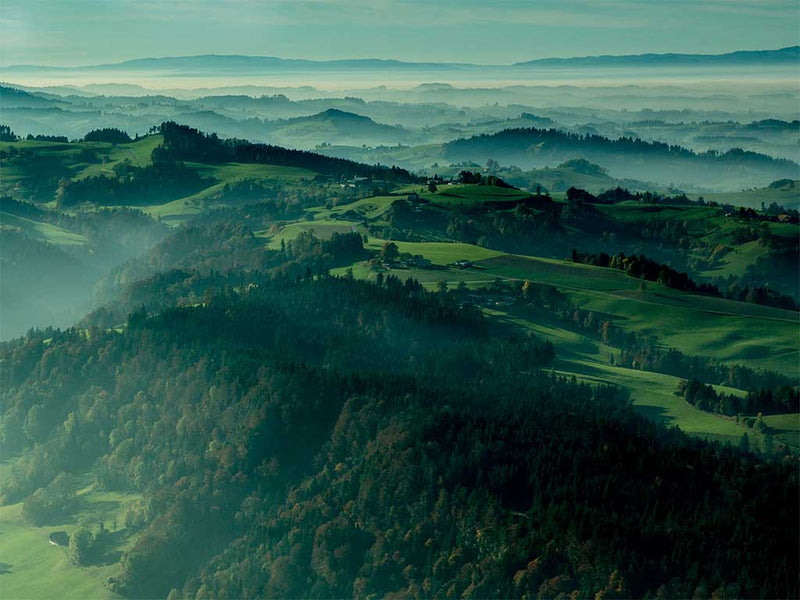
point(376, 328)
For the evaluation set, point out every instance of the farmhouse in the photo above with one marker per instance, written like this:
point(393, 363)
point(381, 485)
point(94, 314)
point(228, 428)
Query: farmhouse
point(358, 181)
point(463, 264)
point(419, 261)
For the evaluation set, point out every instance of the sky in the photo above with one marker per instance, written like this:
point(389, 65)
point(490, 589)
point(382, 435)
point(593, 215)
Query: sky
point(84, 32)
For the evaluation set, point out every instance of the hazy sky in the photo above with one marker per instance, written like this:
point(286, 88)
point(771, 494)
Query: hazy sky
point(75, 32)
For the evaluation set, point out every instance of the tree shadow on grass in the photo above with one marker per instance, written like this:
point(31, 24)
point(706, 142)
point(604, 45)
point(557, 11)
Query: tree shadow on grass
point(655, 413)
point(104, 551)
point(5, 568)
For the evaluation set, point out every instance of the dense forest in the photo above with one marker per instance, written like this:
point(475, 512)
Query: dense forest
point(447, 464)
point(782, 399)
point(514, 139)
point(625, 156)
point(185, 143)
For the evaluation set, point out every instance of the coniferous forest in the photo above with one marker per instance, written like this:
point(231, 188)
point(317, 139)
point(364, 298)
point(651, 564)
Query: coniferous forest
point(276, 450)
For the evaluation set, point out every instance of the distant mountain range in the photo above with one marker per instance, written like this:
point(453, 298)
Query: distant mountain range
point(222, 63)
point(783, 56)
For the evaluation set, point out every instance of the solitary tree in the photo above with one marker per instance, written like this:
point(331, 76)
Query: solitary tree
point(390, 252)
point(80, 544)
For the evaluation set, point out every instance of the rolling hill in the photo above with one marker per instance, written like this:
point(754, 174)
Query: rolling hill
point(624, 157)
point(332, 126)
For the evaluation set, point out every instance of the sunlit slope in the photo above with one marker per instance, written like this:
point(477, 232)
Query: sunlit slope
point(751, 334)
point(653, 394)
point(42, 231)
point(33, 568)
point(29, 163)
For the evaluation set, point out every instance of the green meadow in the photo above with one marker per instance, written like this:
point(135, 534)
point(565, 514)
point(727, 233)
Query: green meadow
point(734, 332)
point(786, 195)
point(35, 569)
point(322, 229)
point(46, 232)
point(653, 394)
point(466, 195)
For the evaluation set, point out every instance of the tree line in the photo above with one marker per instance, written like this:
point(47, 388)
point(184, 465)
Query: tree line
point(417, 454)
point(641, 267)
point(185, 143)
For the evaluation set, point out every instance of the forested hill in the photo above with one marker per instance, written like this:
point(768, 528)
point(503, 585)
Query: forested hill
point(185, 143)
point(282, 452)
point(625, 157)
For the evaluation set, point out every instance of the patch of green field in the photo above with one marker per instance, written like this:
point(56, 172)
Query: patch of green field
point(181, 209)
point(45, 232)
point(33, 568)
point(653, 394)
point(36, 160)
point(138, 153)
point(233, 171)
point(440, 253)
point(634, 212)
point(736, 260)
point(369, 208)
point(787, 196)
point(735, 332)
point(178, 211)
point(465, 194)
point(322, 229)
point(48, 160)
point(560, 273)
point(755, 335)
point(788, 422)
point(559, 179)
point(785, 428)
point(696, 328)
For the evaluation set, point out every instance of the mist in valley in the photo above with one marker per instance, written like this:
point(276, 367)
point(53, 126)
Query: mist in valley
point(477, 326)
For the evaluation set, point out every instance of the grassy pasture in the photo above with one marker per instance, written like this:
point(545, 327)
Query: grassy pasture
point(635, 212)
point(233, 171)
point(560, 178)
point(787, 196)
point(786, 428)
point(696, 328)
point(181, 209)
point(440, 253)
point(178, 211)
point(465, 194)
point(54, 160)
point(138, 153)
point(34, 569)
point(653, 394)
point(736, 260)
point(369, 208)
point(45, 232)
point(322, 229)
point(736, 332)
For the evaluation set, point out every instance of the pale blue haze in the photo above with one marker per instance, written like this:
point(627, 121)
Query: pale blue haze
point(80, 32)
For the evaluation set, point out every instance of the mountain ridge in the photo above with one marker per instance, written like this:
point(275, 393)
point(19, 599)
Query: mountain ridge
point(224, 61)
